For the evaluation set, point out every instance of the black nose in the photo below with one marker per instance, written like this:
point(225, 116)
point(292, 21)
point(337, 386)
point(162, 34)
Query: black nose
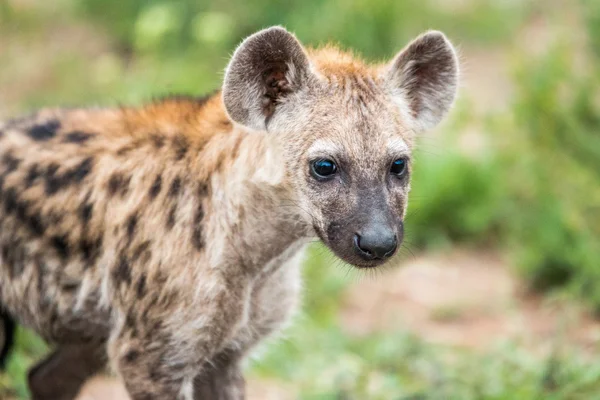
point(377, 243)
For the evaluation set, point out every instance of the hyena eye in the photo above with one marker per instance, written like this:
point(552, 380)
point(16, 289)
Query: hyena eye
point(398, 167)
point(323, 168)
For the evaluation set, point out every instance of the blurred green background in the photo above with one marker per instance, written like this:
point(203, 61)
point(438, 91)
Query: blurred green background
point(506, 192)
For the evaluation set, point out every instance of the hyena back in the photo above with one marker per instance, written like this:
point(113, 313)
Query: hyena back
point(164, 241)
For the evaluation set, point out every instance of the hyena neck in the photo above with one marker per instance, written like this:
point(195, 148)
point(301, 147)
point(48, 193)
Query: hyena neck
point(251, 215)
point(253, 197)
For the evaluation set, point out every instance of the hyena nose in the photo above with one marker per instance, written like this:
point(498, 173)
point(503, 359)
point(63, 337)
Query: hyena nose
point(377, 243)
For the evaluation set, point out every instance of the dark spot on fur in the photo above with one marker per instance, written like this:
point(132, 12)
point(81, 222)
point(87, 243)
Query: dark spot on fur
point(78, 137)
point(131, 226)
point(53, 179)
point(85, 212)
point(131, 356)
point(46, 131)
point(32, 174)
point(61, 245)
point(157, 140)
point(90, 249)
point(161, 278)
point(180, 145)
point(122, 271)
point(10, 200)
point(171, 217)
point(123, 151)
point(21, 208)
point(155, 188)
point(56, 181)
point(118, 184)
point(80, 171)
point(22, 214)
point(175, 187)
point(6, 252)
point(53, 319)
point(35, 224)
point(141, 286)
point(197, 237)
point(114, 183)
point(130, 322)
point(10, 162)
point(202, 190)
point(12, 204)
point(142, 252)
point(70, 286)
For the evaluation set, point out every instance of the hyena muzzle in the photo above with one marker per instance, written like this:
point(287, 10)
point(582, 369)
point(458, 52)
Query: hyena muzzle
point(163, 242)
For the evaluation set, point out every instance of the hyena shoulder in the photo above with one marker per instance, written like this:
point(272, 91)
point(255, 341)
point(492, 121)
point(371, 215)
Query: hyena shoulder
point(92, 201)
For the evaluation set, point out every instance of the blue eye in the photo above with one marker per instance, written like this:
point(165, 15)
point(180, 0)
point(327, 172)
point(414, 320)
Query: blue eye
point(398, 167)
point(323, 168)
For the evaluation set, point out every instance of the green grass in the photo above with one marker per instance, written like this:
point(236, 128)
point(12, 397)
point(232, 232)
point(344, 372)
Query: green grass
point(29, 349)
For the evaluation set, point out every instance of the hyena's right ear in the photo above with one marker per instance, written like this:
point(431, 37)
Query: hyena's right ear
point(264, 72)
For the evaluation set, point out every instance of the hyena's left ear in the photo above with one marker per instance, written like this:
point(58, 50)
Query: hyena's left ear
point(264, 72)
point(423, 79)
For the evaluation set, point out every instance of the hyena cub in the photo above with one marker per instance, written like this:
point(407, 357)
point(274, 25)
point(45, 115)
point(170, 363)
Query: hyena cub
point(165, 241)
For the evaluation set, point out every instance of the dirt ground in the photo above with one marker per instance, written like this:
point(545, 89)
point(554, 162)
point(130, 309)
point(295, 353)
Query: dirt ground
point(467, 299)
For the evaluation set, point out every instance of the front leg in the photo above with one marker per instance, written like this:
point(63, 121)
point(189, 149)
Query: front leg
point(159, 351)
point(149, 368)
point(221, 379)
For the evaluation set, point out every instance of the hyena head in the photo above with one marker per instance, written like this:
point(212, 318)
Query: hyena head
point(347, 129)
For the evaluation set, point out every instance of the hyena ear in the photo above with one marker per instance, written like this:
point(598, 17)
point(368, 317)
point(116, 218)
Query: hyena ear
point(264, 71)
point(423, 79)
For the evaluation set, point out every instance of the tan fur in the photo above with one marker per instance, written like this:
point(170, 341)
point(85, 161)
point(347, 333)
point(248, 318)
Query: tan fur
point(165, 240)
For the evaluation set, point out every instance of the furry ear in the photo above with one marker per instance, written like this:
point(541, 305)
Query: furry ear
point(266, 68)
point(423, 79)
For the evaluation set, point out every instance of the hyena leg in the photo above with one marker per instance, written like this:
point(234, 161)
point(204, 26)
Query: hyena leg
point(62, 374)
point(222, 379)
point(154, 370)
point(157, 360)
point(148, 368)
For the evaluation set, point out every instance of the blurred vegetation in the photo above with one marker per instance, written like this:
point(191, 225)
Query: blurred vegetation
point(538, 193)
point(558, 114)
point(534, 192)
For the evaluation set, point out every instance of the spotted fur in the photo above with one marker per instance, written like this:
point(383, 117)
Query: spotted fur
point(164, 241)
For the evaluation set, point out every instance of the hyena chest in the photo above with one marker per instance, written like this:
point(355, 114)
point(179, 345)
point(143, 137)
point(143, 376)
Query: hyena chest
point(273, 299)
